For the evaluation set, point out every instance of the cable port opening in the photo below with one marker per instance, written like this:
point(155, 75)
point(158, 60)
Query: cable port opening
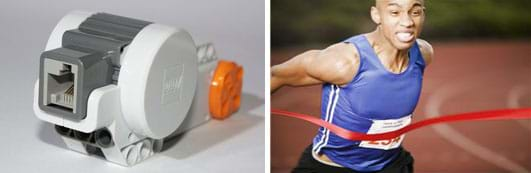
point(61, 88)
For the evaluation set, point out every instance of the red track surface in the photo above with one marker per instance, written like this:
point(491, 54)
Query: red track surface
point(464, 77)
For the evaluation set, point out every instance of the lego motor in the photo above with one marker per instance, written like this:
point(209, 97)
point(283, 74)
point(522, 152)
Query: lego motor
point(117, 87)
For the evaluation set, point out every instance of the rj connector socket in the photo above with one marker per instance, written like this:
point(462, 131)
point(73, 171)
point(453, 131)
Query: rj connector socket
point(67, 77)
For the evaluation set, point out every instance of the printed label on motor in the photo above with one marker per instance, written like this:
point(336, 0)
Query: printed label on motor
point(383, 126)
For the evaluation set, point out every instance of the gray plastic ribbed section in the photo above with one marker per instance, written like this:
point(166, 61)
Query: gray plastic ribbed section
point(94, 42)
point(94, 50)
point(108, 25)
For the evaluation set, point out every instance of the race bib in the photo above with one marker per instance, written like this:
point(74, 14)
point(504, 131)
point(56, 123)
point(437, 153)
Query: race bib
point(382, 126)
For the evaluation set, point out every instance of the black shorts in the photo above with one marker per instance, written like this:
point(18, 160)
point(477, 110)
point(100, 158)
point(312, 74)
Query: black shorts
point(307, 164)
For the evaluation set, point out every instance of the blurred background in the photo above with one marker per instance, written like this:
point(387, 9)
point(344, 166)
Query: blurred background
point(482, 62)
point(307, 22)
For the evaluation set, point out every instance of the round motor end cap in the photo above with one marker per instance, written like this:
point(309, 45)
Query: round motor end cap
point(158, 80)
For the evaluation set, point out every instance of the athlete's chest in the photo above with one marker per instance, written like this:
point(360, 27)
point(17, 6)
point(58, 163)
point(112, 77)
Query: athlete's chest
point(377, 94)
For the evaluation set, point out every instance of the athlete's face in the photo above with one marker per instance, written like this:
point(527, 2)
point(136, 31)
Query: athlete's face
point(400, 21)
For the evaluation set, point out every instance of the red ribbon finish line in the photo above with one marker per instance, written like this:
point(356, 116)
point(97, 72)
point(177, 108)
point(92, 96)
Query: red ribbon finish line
point(504, 114)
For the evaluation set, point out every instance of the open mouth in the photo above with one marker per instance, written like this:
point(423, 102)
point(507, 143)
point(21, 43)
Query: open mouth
point(405, 37)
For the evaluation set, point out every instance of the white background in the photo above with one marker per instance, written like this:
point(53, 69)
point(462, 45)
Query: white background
point(236, 27)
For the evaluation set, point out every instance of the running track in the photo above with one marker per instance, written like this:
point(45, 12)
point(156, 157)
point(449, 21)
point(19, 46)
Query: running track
point(465, 76)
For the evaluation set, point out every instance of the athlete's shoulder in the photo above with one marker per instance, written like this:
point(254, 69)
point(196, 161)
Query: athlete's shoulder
point(342, 50)
point(341, 61)
point(427, 51)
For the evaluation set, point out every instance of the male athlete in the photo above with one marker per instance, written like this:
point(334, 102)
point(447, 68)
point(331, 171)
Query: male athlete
point(371, 84)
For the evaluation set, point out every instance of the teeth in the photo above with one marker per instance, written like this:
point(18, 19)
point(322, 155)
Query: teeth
point(404, 36)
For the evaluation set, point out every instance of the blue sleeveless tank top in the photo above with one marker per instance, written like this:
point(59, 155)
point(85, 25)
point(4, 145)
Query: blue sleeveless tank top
point(375, 101)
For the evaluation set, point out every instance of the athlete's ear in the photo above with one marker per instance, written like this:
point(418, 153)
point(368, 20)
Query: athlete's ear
point(375, 15)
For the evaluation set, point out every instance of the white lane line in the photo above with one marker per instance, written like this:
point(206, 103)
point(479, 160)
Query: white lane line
point(433, 106)
point(512, 102)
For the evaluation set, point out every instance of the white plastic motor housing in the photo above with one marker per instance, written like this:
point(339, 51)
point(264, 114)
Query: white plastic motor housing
point(156, 84)
point(158, 80)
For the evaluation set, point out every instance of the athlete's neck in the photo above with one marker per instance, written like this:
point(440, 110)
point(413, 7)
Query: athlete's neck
point(393, 59)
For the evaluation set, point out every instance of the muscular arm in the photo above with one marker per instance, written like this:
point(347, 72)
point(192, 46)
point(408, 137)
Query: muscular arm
point(337, 64)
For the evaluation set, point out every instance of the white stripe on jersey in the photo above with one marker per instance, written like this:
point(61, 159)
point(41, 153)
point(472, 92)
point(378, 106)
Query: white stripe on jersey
point(334, 103)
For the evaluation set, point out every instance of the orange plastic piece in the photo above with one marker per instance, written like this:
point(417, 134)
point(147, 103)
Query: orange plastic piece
point(225, 89)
